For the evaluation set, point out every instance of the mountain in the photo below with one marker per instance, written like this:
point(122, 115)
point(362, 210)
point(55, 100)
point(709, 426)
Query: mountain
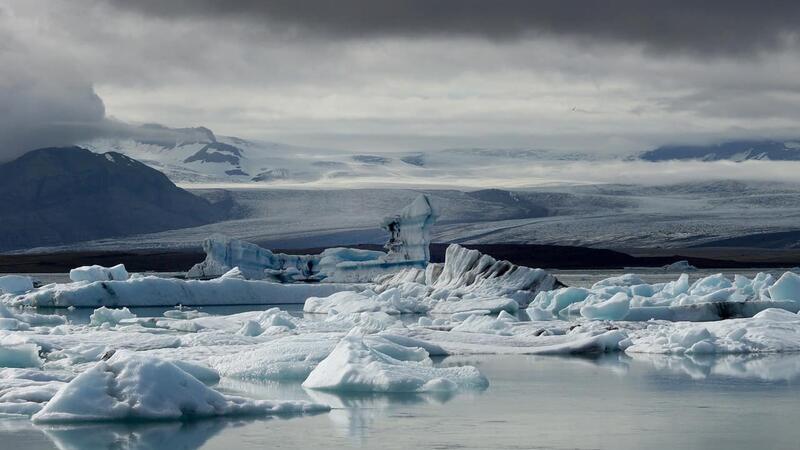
point(732, 151)
point(198, 155)
point(61, 195)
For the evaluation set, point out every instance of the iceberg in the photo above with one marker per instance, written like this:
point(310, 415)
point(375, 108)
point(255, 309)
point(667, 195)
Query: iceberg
point(615, 308)
point(23, 321)
point(103, 315)
point(410, 232)
point(469, 274)
point(769, 331)
point(99, 273)
point(355, 366)
point(407, 247)
point(348, 302)
point(679, 266)
point(713, 297)
point(467, 281)
point(787, 288)
point(157, 291)
point(131, 387)
point(16, 352)
point(15, 284)
point(224, 253)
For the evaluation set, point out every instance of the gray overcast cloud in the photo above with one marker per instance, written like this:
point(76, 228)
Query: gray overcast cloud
point(712, 26)
point(607, 76)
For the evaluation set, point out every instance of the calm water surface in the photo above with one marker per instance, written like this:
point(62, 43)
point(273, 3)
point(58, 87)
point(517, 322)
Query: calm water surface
point(613, 402)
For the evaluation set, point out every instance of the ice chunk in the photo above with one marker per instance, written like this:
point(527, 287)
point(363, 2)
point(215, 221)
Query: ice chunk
point(410, 231)
point(391, 302)
point(615, 308)
point(133, 387)
point(628, 279)
point(99, 273)
point(355, 366)
point(787, 288)
point(710, 284)
point(23, 321)
point(271, 321)
point(679, 266)
point(713, 297)
point(157, 291)
point(469, 275)
point(348, 265)
point(110, 316)
point(408, 247)
point(477, 323)
point(286, 358)
point(15, 284)
point(556, 300)
point(15, 352)
point(771, 330)
point(256, 263)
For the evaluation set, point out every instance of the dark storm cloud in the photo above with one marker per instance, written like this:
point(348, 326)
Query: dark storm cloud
point(693, 26)
point(43, 103)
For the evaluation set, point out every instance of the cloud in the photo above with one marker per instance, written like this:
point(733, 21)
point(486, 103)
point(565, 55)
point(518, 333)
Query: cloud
point(43, 102)
point(379, 76)
point(727, 27)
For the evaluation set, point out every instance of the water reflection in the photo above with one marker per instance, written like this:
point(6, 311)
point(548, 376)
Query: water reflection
point(762, 367)
point(173, 435)
point(353, 414)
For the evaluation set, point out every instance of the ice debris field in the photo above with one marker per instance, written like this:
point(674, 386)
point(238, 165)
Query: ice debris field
point(354, 333)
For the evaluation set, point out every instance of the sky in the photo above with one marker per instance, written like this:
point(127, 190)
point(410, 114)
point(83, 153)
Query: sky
point(367, 75)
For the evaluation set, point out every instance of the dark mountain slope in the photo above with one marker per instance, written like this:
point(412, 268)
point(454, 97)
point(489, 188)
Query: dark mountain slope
point(54, 196)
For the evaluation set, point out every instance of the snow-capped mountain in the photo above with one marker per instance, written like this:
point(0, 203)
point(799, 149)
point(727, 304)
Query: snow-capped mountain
point(733, 151)
point(198, 155)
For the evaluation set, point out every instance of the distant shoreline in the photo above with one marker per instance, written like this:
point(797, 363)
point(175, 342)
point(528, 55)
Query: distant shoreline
point(531, 255)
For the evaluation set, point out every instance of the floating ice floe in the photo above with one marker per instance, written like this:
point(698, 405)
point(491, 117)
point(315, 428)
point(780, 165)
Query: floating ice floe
point(713, 297)
point(355, 366)
point(771, 330)
point(12, 321)
point(17, 352)
point(157, 291)
point(24, 391)
point(132, 387)
point(99, 273)
point(407, 247)
point(103, 315)
point(15, 284)
point(467, 281)
point(679, 266)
